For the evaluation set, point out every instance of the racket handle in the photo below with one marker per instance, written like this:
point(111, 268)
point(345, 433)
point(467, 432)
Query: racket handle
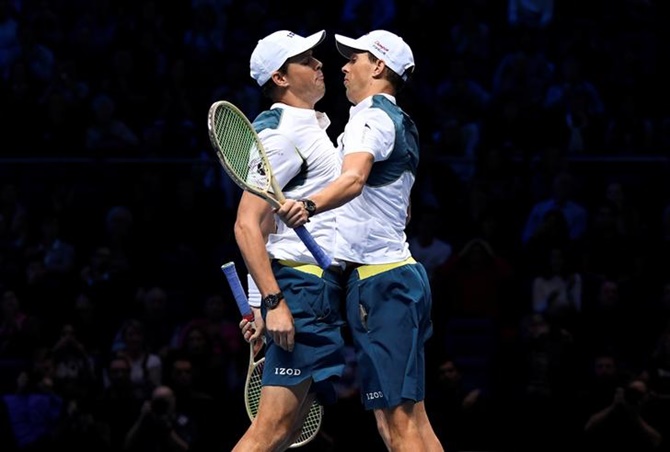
point(238, 291)
point(319, 254)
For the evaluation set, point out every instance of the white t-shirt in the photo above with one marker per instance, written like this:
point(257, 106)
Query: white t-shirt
point(371, 227)
point(304, 160)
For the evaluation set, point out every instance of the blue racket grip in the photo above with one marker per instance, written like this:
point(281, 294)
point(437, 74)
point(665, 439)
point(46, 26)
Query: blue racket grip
point(238, 291)
point(319, 254)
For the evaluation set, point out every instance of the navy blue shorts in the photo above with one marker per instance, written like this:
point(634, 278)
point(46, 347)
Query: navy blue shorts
point(388, 309)
point(314, 297)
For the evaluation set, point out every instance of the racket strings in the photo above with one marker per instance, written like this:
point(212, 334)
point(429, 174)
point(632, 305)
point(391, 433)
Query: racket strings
point(311, 425)
point(238, 146)
point(312, 422)
point(254, 385)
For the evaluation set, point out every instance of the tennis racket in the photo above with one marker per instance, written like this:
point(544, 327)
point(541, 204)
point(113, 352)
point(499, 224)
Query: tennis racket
point(243, 157)
point(252, 384)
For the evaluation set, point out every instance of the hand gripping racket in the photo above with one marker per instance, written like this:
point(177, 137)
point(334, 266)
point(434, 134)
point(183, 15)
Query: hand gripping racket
point(244, 158)
point(252, 384)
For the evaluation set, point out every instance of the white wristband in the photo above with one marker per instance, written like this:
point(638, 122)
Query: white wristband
point(254, 295)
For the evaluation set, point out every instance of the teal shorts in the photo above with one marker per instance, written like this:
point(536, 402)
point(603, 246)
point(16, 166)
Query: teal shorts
point(315, 298)
point(388, 310)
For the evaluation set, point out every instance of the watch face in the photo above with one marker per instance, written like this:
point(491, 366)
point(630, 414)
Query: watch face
point(309, 206)
point(272, 300)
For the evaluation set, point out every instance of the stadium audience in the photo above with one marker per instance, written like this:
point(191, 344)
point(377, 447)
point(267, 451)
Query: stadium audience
point(545, 148)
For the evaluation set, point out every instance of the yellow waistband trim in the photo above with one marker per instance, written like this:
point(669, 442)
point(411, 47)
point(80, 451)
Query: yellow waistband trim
point(307, 268)
point(366, 271)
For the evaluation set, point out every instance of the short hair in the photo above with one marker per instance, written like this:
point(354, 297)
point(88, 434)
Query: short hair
point(394, 78)
point(269, 89)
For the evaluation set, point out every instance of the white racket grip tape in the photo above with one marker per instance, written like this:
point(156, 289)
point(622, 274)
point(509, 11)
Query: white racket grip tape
point(319, 254)
point(254, 295)
point(238, 291)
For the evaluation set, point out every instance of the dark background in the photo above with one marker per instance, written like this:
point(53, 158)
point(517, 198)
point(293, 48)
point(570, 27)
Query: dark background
point(113, 207)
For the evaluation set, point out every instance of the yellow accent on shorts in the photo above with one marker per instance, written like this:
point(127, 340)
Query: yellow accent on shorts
point(366, 271)
point(306, 268)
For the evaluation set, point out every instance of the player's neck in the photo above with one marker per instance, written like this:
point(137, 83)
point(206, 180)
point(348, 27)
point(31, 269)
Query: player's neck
point(294, 101)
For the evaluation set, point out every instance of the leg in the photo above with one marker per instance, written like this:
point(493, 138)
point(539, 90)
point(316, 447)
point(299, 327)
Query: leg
point(406, 428)
point(431, 442)
point(279, 418)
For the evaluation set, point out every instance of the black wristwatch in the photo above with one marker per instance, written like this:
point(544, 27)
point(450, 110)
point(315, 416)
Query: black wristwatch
point(310, 207)
point(272, 300)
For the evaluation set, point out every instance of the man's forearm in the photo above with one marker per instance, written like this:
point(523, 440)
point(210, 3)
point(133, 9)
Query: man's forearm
point(342, 190)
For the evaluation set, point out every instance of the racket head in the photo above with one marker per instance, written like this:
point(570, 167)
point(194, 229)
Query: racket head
point(252, 397)
point(253, 382)
point(310, 426)
point(240, 151)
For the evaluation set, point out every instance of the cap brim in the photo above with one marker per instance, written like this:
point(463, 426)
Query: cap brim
point(347, 46)
point(310, 42)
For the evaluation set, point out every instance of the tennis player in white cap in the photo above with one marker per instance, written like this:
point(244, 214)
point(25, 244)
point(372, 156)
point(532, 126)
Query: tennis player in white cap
point(388, 294)
point(298, 305)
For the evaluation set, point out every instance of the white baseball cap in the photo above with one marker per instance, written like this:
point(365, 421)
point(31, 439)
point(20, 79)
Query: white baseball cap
point(272, 51)
point(384, 45)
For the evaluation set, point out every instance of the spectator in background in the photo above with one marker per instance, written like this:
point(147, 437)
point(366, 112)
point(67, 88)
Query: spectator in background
point(624, 424)
point(34, 410)
point(537, 14)
point(62, 124)
point(177, 107)
point(75, 377)
point(548, 368)
point(609, 323)
point(629, 219)
point(108, 135)
point(557, 288)
point(471, 39)
point(154, 313)
point(574, 106)
point(120, 85)
point(39, 56)
point(509, 125)
point(658, 366)
point(9, 36)
point(120, 235)
point(604, 373)
point(146, 367)
point(117, 404)
point(563, 199)
point(201, 408)
point(85, 317)
point(160, 427)
point(210, 373)
point(222, 334)
point(59, 253)
point(525, 71)
point(20, 332)
point(461, 412)
point(463, 100)
point(498, 177)
point(473, 283)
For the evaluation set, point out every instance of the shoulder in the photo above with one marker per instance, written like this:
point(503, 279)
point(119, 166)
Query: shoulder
point(268, 119)
point(373, 118)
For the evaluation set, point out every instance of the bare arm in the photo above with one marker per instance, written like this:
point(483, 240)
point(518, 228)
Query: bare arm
point(356, 168)
point(251, 235)
point(252, 227)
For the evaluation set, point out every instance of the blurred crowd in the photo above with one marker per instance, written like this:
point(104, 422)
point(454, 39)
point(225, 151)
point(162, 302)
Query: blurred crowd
point(541, 211)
